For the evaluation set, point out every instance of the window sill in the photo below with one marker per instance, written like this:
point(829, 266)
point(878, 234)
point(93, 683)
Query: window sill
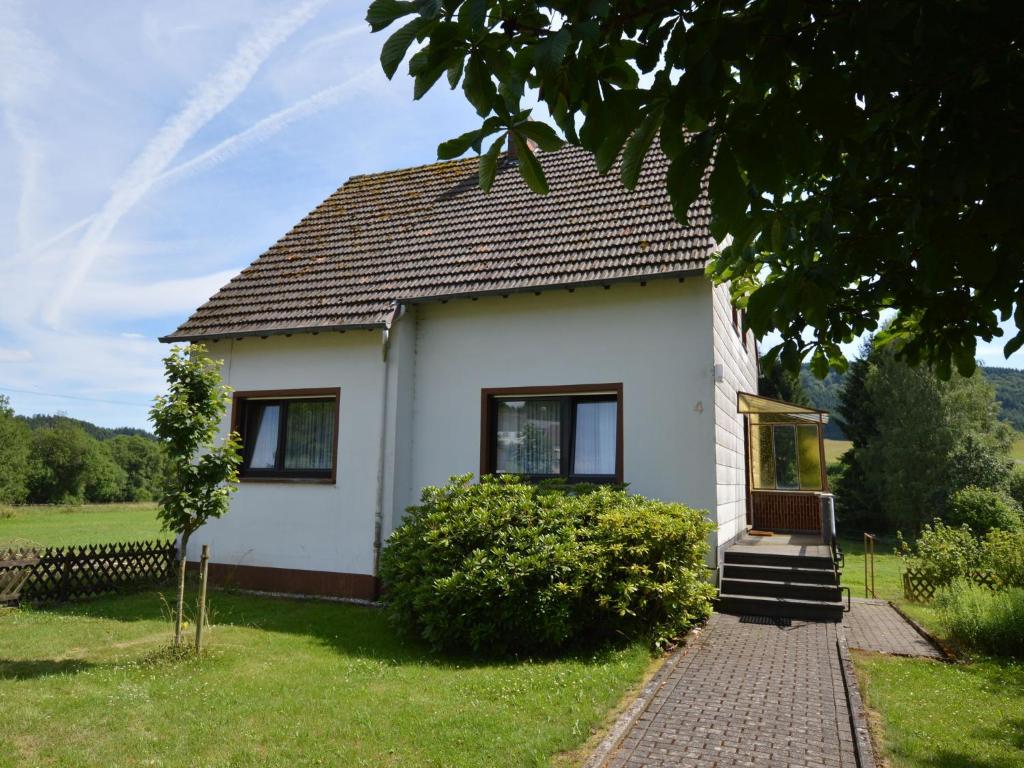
point(289, 480)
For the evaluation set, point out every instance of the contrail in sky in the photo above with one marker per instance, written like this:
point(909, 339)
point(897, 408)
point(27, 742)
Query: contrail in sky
point(212, 97)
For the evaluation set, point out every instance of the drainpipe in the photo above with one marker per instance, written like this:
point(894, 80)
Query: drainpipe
point(378, 517)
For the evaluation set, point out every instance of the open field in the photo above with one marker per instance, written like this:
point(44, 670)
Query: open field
point(286, 683)
point(1017, 449)
point(61, 526)
point(834, 449)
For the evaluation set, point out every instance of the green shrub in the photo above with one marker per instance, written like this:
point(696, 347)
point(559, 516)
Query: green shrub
point(942, 552)
point(977, 618)
point(1015, 484)
point(505, 566)
point(982, 509)
point(1004, 556)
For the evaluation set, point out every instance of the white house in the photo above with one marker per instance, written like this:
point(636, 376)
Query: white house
point(413, 327)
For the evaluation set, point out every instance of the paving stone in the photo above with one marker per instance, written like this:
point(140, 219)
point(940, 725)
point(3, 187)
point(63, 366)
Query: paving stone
point(747, 694)
point(874, 625)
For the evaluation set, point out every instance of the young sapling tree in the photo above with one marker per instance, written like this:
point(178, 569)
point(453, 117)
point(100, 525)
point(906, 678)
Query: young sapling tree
point(202, 473)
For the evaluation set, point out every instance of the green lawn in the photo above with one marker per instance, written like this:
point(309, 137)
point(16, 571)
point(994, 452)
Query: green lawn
point(931, 714)
point(286, 683)
point(60, 526)
point(937, 715)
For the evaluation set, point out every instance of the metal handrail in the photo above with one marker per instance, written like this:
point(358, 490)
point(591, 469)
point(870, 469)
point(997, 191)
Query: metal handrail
point(869, 553)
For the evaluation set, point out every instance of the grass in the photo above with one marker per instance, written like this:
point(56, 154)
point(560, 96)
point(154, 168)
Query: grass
point(61, 526)
point(834, 449)
point(936, 715)
point(286, 683)
point(931, 714)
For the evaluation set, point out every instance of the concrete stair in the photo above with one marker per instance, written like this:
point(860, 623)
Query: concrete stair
point(790, 585)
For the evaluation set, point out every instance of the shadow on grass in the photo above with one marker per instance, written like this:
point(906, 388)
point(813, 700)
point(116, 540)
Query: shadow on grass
point(350, 630)
point(30, 669)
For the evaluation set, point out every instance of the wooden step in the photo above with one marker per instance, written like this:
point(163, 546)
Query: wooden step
point(794, 589)
point(779, 573)
point(751, 605)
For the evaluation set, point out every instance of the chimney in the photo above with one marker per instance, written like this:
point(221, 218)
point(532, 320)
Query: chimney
point(512, 148)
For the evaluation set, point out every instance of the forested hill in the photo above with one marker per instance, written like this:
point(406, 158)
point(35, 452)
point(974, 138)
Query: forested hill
point(40, 421)
point(1009, 384)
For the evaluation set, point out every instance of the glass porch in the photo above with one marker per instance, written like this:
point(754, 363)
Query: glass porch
point(787, 484)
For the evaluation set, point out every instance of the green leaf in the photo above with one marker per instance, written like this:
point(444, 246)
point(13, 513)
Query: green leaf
point(819, 364)
point(964, 358)
point(636, 149)
point(550, 52)
point(529, 166)
point(397, 45)
point(455, 73)
point(382, 12)
point(473, 15)
point(447, 150)
point(683, 178)
point(542, 133)
point(1014, 344)
point(489, 164)
point(729, 197)
point(477, 85)
point(428, 9)
point(425, 81)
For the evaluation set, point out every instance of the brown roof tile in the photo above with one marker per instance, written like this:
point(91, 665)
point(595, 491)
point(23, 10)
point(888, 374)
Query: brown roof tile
point(430, 232)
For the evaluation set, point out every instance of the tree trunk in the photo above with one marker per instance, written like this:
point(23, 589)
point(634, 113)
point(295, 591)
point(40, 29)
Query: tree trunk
point(179, 614)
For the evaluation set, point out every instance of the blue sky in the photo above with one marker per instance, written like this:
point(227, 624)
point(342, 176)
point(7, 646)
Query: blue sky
point(150, 150)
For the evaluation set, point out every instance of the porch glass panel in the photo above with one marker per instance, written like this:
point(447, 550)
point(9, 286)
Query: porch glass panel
point(786, 469)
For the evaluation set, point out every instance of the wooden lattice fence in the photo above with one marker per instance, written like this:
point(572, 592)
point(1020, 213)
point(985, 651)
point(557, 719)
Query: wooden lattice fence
point(919, 587)
point(67, 573)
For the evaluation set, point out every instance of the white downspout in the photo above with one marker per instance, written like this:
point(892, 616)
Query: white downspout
point(378, 517)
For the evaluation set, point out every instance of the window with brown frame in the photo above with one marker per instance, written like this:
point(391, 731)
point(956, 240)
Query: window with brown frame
point(288, 434)
point(573, 433)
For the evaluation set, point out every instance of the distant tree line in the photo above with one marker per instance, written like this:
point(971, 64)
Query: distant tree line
point(824, 393)
point(59, 460)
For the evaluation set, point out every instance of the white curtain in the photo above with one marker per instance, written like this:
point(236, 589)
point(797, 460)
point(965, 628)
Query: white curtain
point(596, 427)
point(264, 450)
point(529, 437)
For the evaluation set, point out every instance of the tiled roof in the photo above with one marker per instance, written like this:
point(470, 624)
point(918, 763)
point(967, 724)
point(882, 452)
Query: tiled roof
point(430, 232)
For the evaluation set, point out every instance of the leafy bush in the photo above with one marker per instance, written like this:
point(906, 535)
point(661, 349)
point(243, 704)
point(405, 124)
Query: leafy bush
point(982, 509)
point(1004, 556)
point(505, 566)
point(983, 463)
point(942, 552)
point(980, 619)
point(1015, 484)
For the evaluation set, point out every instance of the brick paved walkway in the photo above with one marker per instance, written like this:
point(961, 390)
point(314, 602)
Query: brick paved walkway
point(747, 695)
point(874, 625)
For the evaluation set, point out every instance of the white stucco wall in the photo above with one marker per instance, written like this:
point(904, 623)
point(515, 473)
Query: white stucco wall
point(316, 527)
point(682, 439)
point(656, 340)
point(739, 367)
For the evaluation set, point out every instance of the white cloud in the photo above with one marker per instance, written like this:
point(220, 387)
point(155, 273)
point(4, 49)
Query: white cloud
point(270, 125)
point(212, 96)
point(145, 299)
